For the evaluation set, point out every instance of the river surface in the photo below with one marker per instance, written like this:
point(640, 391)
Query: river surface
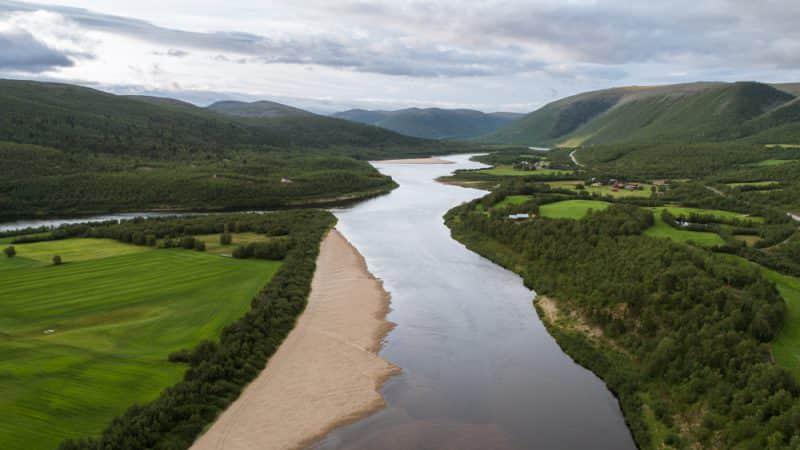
point(480, 370)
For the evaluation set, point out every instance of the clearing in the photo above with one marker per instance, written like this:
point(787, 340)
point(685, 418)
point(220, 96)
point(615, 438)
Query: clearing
point(571, 209)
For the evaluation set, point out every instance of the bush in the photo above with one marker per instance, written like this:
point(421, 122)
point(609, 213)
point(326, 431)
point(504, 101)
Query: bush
point(187, 242)
point(56, 260)
point(225, 239)
point(199, 245)
point(10, 251)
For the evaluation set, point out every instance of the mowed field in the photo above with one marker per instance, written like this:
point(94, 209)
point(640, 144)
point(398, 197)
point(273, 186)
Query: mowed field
point(81, 342)
point(508, 171)
point(571, 209)
point(661, 229)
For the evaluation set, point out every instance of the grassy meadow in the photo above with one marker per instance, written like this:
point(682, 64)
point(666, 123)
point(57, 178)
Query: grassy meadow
point(509, 171)
point(662, 230)
point(645, 192)
point(571, 209)
point(512, 200)
point(682, 211)
point(83, 341)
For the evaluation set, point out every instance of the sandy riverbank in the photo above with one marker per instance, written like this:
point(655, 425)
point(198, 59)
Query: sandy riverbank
point(326, 373)
point(431, 160)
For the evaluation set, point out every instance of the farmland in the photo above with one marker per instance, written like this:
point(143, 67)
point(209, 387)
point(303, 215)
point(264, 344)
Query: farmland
point(571, 209)
point(508, 171)
point(662, 230)
point(85, 340)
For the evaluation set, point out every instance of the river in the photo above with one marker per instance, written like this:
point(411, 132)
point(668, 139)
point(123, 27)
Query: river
point(480, 371)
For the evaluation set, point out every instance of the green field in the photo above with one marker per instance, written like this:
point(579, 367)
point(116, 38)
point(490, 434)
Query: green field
point(571, 209)
point(605, 190)
point(774, 162)
point(506, 171)
point(661, 230)
point(754, 183)
point(682, 211)
point(81, 342)
point(512, 200)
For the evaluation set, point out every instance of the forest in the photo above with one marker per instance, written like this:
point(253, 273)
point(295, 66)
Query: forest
point(689, 327)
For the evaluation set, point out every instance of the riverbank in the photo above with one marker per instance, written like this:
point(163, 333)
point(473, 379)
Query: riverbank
point(431, 160)
point(326, 373)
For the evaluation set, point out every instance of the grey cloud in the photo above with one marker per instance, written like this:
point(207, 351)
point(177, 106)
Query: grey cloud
point(20, 51)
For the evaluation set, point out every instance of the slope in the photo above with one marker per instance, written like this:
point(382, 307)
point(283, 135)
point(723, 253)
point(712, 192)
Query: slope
point(433, 123)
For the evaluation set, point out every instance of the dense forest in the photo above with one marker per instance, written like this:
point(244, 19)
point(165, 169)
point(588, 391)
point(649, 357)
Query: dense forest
point(69, 150)
point(682, 330)
point(217, 370)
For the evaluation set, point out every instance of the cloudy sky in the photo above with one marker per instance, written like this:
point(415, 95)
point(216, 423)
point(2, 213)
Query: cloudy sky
point(331, 55)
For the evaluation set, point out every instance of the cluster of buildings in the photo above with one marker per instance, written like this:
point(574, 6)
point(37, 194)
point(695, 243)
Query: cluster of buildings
point(617, 185)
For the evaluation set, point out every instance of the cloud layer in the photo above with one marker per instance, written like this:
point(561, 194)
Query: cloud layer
point(562, 46)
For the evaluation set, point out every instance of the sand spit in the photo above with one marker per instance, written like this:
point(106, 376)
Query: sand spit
point(431, 160)
point(326, 373)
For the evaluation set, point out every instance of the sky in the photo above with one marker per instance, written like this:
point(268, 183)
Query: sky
point(329, 56)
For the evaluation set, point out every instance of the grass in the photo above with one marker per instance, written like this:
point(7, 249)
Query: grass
point(506, 171)
point(571, 209)
point(73, 250)
point(754, 183)
point(512, 200)
point(116, 314)
point(749, 239)
point(774, 162)
point(782, 145)
point(213, 246)
point(786, 345)
point(662, 230)
point(682, 211)
point(604, 190)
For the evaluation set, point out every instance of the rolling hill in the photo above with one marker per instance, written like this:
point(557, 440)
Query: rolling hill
point(263, 108)
point(687, 113)
point(433, 123)
point(80, 119)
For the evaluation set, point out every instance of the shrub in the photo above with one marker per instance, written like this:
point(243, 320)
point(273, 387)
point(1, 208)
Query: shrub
point(199, 245)
point(10, 251)
point(225, 239)
point(57, 260)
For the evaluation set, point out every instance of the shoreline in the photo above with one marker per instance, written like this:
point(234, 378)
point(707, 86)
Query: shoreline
point(326, 373)
point(429, 160)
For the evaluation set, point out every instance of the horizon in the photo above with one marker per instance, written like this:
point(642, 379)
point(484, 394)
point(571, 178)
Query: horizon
point(326, 58)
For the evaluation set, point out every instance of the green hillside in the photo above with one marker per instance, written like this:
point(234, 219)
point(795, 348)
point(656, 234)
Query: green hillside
point(689, 113)
point(70, 150)
point(264, 109)
point(433, 123)
point(82, 119)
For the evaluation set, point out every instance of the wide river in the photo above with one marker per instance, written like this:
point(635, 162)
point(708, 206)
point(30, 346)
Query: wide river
point(480, 370)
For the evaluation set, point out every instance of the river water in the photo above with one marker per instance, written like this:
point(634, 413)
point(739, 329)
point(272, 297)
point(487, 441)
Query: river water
point(480, 370)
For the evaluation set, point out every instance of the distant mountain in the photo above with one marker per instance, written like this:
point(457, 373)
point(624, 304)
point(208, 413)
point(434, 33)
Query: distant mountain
point(433, 123)
point(80, 119)
point(263, 109)
point(697, 112)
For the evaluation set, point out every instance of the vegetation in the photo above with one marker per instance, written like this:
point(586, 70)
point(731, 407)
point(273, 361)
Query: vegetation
point(689, 113)
point(682, 330)
point(86, 341)
point(571, 209)
point(165, 357)
point(432, 123)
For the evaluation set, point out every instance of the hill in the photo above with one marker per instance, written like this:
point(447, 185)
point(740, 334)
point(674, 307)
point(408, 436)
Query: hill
point(263, 108)
point(697, 112)
point(69, 150)
point(433, 123)
point(80, 119)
